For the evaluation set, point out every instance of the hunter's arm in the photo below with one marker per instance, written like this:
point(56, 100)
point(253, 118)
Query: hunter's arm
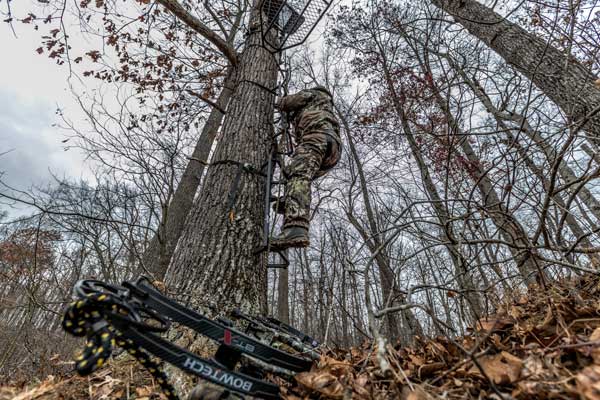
point(294, 102)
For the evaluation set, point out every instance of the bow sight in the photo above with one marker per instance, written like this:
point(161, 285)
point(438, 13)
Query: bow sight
point(134, 314)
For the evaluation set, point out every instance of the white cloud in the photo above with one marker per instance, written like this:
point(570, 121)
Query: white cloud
point(31, 88)
point(34, 146)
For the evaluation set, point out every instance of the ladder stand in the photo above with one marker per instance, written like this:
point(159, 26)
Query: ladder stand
point(273, 162)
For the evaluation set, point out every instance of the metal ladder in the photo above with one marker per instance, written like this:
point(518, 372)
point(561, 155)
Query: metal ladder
point(274, 161)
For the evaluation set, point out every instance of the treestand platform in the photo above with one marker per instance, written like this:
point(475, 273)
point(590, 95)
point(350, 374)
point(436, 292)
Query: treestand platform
point(288, 23)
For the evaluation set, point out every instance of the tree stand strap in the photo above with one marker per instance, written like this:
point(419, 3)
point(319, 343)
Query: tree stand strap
point(235, 187)
point(237, 180)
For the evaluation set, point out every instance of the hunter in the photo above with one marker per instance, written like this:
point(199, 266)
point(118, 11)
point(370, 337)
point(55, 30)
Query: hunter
point(318, 149)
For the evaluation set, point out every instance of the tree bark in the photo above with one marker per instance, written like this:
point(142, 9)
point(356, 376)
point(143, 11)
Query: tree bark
point(283, 305)
point(215, 256)
point(160, 250)
point(563, 79)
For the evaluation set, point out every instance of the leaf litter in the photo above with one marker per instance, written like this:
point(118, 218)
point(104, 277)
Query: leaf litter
point(544, 345)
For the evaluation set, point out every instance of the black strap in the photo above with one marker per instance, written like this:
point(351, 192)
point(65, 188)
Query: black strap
point(235, 187)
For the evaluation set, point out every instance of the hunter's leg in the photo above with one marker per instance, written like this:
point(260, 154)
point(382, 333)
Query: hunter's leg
point(304, 165)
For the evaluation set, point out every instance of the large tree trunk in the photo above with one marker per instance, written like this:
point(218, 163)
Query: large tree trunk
point(215, 257)
point(563, 79)
point(160, 250)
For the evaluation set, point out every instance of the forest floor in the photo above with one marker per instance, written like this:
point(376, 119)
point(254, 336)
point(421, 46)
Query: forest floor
point(543, 345)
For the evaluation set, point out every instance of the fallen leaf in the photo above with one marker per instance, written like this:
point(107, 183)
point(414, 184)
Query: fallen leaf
point(322, 382)
point(144, 391)
point(596, 350)
point(493, 325)
point(502, 368)
point(588, 382)
point(359, 387)
point(428, 369)
point(417, 394)
point(335, 367)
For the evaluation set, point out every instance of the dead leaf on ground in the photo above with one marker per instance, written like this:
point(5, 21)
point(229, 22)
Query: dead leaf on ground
point(335, 367)
point(595, 336)
point(417, 394)
point(588, 382)
point(493, 324)
point(502, 368)
point(322, 382)
point(360, 388)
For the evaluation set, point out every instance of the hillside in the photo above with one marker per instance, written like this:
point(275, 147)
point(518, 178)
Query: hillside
point(544, 345)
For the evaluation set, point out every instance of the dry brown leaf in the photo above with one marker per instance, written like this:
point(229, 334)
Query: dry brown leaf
point(428, 369)
point(146, 391)
point(533, 368)
point(547, 324)
point(597, 83)
point(516, 312)
point(359, 386)
point(588, 382)
point(502, 368)
point(438, 348)
point(416, 360)
point(493, 324)
point(45, 387)
point(417, 394)
point(335, 367)
point(289, 396)
point(596, 350)
point(322, 382)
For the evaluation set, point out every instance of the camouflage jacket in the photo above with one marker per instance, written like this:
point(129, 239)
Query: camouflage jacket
point(310, 111)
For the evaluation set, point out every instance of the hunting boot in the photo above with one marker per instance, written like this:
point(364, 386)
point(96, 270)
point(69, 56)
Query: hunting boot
point(293, 236)
point(278, 205)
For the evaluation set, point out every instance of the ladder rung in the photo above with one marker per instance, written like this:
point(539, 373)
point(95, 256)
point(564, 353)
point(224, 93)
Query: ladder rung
point(279, 265)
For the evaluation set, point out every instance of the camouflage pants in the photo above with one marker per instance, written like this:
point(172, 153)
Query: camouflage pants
point(315, 155)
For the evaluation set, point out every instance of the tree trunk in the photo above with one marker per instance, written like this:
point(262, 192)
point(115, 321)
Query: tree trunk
point(283, 305)
point(215, 257)
point(160, 250)
point(563, 79)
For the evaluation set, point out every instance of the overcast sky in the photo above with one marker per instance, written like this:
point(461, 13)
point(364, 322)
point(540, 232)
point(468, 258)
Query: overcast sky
point(31, 88)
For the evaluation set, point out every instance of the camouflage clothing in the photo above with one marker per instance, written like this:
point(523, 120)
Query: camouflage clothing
point(318, 149)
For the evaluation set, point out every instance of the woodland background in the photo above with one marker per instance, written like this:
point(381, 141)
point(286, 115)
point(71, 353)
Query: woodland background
point(469, 174)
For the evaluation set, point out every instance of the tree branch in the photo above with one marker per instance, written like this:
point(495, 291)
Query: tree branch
point(201, 28)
